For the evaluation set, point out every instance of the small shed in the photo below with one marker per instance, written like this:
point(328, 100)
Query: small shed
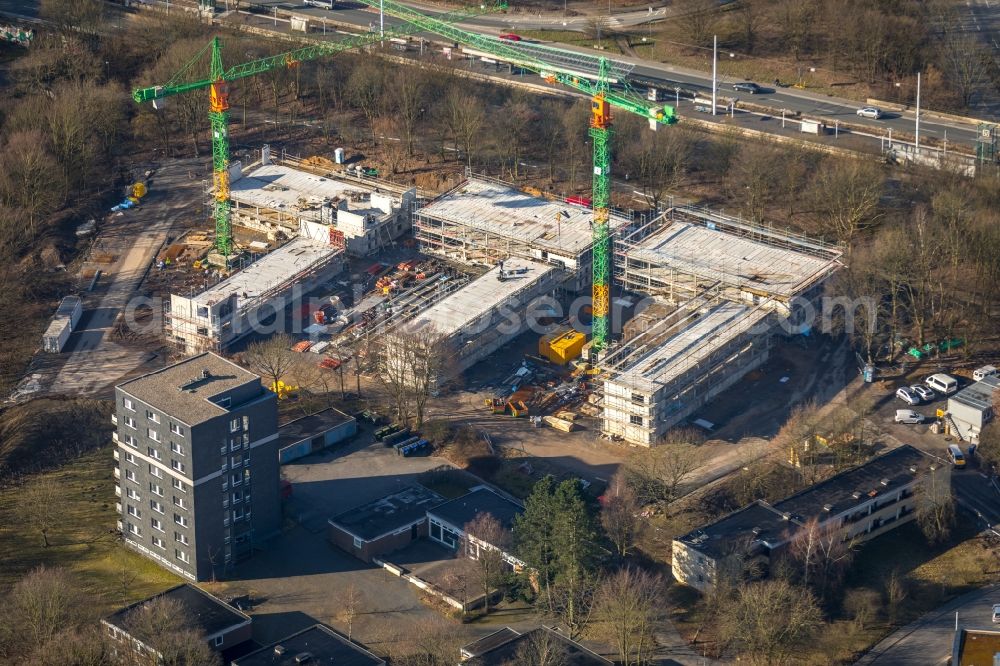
point(972, 408)
point(313, 433)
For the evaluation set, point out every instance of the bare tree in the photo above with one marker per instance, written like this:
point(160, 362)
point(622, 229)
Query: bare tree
point(409, 91)
point(44, 602)
point(628, 609)
point(40, 506)
point(766, 620)
point(896, 590)
point(164, 626)
point(935, 504)
point(699, 18)
point(411, 365)
point(350, 607)
point(84, 15)
point(26, 177)
point(272, 358)
point(821, 554)
point(465, 117)
point(968, 64)
point(485, 542)
point(366, 89)
point(620, 514)
point(540, 648)
point(753, 181)
point(660, 162)
point(989, 441)
point(656, 473)
point(848, 193)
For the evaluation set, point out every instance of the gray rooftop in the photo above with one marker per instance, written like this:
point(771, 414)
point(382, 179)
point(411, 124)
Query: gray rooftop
point(203, 612)
point(979, 395)
point(387, 514)
point(321, 643)
point(733, 534)
point(311, 426)
point(185, 389)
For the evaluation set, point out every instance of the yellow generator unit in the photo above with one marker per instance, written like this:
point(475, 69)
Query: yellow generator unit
point(562, 346)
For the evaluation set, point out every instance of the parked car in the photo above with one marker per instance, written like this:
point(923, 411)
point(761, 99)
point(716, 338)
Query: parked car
point(942, 383)
point(908, 416)
point(925, 393)
point(510, 37)
point(956, 456)
point(996, 613)
point(979, 374)
point(748, 87)
point(908, 396)
point(872, 112)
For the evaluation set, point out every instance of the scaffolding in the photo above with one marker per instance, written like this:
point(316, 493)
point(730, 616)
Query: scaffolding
point(722, 286)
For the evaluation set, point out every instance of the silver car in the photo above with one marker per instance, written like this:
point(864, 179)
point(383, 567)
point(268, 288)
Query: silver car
point(872, 112)
point(908, 396)
point(925, 393)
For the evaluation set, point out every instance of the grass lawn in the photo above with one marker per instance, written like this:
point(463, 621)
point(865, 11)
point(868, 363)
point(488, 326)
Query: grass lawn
point(84, 541)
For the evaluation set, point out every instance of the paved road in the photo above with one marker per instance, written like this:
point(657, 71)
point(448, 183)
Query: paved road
point(927, 641)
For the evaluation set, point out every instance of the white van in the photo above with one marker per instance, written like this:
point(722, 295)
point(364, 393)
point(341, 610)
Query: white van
point(979, 374)
point(942, 383)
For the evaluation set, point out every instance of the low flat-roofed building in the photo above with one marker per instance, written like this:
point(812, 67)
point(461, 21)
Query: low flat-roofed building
point(448, 521)
point(975, 647)
point(384, 525)
point(225, 312)
point(319, 644)
point(972, 408)
point(859, 503)
point(222, 626)
point(279, 197)
point(509, 646)
point(482, 221)
point(313, 433)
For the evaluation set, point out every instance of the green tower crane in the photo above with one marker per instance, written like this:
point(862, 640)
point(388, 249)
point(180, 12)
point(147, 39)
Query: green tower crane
point(589, 74)
point(218, 82)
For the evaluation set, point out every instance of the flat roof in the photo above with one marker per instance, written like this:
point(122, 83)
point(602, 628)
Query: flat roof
point(866, 479)
point(323, 644)
point(460, 308)
point(686, 348)
point(269, 272)
point(311, 426)
point(464, 509)
point(733, 534)
point(283, 188)
point(500, 209)
point(696, 249)
point(505, 647)
point(975, 647)
point(979, 395)
point(202, 611)
point(387, 514)
point(185, 389)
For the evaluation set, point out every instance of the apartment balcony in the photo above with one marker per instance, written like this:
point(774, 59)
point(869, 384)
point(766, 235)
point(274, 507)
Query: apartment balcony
point(114, 419)
point(118, 491)
point(118, 507)
point(115, 454)
point(114, 437)
point(118, 473)
point(120, 526)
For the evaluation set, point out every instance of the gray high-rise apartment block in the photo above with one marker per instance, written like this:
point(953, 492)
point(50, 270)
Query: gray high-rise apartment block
point(196, 465)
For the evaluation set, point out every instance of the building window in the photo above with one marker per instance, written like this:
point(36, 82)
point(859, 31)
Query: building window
point(130, 422)
point(639, 398)
point(179, 501)
point(130, 475)
point(217, 641)
point(225, 402)
point(236, 479)
point(155, 471)
point(246, 438)
point(246, 422)
point(128, 404)
point(237, 460)
point(177, 465)
point(180, 485)
point(155, 506)
point(152, 434)
point(156, 489)
point(237, 496)
point(129, 458)
point(180, 520)
point(181, 555)
point(177, 448)
point(176, 429)
point(635, 420)
point(153, 453)
point(155, 418)
point(180, 538)
point(132, 511)
point(130, 440)
point(358, 542)
point(159, 543)
point(134, 529)
point(435, 531)
point(157, 525)
point(132, 494)
point(238, 513)
point(234, 425)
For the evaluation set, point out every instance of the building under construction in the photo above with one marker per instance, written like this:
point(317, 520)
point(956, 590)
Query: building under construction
point(483, 221)
point(721, 289)
point(310, 197)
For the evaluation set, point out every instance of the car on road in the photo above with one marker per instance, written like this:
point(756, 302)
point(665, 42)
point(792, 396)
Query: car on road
point(908, 416)
point(907, 395)
point(996, 613)
point(510, 37)
point(748, 87)
point(872, 112)
point(925, 393)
